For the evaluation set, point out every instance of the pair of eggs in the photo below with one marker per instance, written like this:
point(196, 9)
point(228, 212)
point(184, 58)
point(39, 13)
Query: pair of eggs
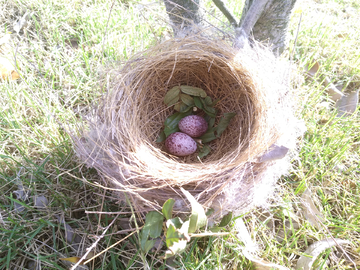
point(181, 143)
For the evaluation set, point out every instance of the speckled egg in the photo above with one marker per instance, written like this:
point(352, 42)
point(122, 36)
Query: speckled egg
point(193, 125)
point(180, 144)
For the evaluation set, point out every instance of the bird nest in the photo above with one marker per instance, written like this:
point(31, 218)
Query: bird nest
point(119, 140)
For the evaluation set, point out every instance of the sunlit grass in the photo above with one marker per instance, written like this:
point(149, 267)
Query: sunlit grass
point(63, 54)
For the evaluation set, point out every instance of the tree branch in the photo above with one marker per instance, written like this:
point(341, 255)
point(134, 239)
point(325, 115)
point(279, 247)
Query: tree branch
point(252, 16)
point(248, 20)
point(220, 4)
point(272, 26)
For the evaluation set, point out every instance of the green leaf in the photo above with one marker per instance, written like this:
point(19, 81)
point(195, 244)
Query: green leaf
point(208, 101)
point(144, 235)
point(225, 220)
point(193, 91)
point(208, 136)
point(172, 96)
point(180, 107)
point(215, 102)
point(153, 224)
point(210, 111)
point(188, 100)
point(171, 123)
point(209, 212)
point(169, 131)
point(176, 239)
point(161, 137)
point(215, 229)
point(198, 218)
point(223, 123)
point(204, 151)
point(211, 122)
point(176, 222)
point(148, 245)
point(168, 208)
point(193, 222)
point(186, 109)
point(198, 103)
point(172, 102)
point(172, 236)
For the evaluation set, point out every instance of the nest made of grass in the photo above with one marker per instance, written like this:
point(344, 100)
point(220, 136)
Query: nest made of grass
point(120, 139)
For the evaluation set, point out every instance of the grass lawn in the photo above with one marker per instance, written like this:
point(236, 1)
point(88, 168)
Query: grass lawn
point(51, 206)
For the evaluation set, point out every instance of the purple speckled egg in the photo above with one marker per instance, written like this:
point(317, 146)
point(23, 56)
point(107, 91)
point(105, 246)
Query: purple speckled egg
point(193, 125)
point(180, 144)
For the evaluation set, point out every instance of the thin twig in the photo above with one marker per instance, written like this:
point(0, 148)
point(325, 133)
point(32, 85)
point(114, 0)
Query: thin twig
point(113, 245)
point(94, 245)
point(108, 213)
point(99, 220)
point(121, 232)
point(208, 234)
point(220, 4)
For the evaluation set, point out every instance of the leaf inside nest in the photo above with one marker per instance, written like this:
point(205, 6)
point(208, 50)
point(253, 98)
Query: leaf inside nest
point(223, 123)
point(193, 91)
point(188, 100)
point(171, 123)
point(204, 151)
point(172, 96)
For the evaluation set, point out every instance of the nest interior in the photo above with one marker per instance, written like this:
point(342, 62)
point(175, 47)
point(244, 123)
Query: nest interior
point(120, 139)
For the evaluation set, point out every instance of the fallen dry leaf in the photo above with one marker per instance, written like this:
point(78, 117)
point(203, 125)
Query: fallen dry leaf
point(312, 70)
point(77, 259)
point(312, 214)
point(71, 237)
point(72, 259)
point(347, 104)
point(7, 69)
point(275, 152)
point(22, 194)
point(343, 35)
point(315, 249)
point(18, 207)
point(251, 248)
point(335, 94)
point(20, 24)
point(40, 201)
